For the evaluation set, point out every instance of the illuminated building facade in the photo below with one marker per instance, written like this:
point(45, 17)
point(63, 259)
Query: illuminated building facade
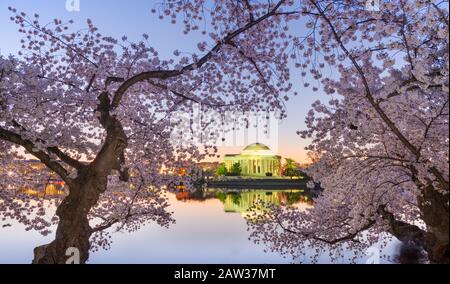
point(256, 160)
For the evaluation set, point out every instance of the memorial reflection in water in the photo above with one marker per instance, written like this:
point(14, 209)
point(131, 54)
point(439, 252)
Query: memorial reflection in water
point(240, 201)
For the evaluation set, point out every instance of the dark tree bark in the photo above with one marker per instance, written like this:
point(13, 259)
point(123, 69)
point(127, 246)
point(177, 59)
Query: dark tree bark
point(84, 191)
point(434, 208)
point(73, 227)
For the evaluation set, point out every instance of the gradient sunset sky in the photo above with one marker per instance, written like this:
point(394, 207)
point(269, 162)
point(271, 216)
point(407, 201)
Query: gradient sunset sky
point(133, 18)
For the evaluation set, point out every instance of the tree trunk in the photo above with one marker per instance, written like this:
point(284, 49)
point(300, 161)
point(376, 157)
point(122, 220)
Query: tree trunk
point(434, 208)
point(73, 228)
point(434, 212)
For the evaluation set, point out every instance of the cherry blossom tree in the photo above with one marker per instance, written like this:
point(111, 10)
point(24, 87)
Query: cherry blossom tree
point(382, 139)
point(96, 111)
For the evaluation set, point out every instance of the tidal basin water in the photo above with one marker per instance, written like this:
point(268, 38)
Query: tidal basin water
point(210, 228)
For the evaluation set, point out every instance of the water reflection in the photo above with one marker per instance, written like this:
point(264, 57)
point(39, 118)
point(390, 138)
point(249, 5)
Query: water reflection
point(210, 228)
point(240, 201)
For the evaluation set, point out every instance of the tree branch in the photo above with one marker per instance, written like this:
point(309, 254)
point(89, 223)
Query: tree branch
point(347, 237)
point(401, 230)
point(368, 94)
point(55, 150)
point(30, 147)
point(166, 74)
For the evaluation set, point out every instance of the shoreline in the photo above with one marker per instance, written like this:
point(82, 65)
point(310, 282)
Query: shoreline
point(259, 183)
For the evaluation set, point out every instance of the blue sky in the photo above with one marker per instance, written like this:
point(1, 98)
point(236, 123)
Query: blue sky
point(133, 18)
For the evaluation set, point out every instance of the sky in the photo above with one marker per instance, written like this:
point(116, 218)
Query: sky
point(133, 18)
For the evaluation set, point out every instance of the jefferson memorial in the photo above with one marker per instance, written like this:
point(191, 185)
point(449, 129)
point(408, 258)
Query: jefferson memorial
point(256, 160)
